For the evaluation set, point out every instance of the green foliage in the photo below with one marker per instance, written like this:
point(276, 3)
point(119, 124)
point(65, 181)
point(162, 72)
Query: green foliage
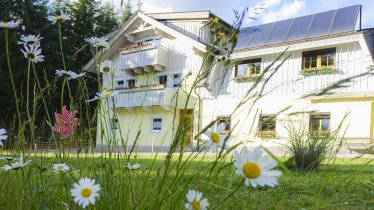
point(127, 12)
point(308, 149)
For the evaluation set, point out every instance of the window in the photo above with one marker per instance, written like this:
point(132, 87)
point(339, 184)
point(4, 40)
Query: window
point(319, 122)
point(120, 84)
point(162, 80)
point(177, 80)
point(248, 67)
point(267, 123)
point(114, 124)
point(319, 58)
point(131, 83)
point(156, 124)
point(226, 120)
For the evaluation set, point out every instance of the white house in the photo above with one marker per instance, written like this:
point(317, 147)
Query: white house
point(158, 56)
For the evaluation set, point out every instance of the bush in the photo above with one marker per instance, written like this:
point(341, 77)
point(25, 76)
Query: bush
point(309, 149)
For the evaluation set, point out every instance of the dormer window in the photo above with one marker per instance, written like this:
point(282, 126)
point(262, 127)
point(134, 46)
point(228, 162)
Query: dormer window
point(248, 67)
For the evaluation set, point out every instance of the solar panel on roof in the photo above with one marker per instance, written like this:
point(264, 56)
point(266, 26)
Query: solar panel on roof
point(345, 19)
point(320, 24)
point(279, 32)
point(244, 37)
point(299, 28)
point(260, 35)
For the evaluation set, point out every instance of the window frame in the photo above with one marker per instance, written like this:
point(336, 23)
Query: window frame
point(226, 120)
point(177, 85)
point(319, 54)
point(272, 117)
point(128, 83)
point(162, 76)
point(320, 116)
point(249, 71)
point(152, 124)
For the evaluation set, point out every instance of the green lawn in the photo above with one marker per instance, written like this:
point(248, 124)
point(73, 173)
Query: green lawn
point(346, 184)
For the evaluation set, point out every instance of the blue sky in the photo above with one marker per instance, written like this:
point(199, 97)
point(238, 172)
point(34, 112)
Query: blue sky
point(274, 9)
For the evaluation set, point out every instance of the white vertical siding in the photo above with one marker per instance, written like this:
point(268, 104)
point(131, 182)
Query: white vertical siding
point(288, 80)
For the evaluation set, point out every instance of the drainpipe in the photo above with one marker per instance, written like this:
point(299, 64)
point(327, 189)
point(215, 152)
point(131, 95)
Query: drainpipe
point(201, 28)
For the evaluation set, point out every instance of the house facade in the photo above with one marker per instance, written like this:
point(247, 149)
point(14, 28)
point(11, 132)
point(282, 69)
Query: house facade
point(158, 57)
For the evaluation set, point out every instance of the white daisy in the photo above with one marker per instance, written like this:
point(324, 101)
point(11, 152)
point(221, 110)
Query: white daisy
point(16, 165)
point(216, 139)
point(30, 40)
point(62, 17)
point(85, 192)
point(69, 74)
point(73, 75)
point(33, 53)
point(3, 137)
point(60, 72)
point(7, 158)
point(98, 42)
point(133, 167)
point(256, 167)
point(10, 24)
point(107, 66)
point(60, 167)
point(105, 94)
point(195, 202)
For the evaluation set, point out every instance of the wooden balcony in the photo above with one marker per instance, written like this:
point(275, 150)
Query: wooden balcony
point(146, 98)
point(140, 61)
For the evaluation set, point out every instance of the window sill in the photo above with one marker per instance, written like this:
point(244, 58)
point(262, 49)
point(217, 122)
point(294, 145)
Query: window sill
point(271, 134)
point(318, 71)
point(247, 78)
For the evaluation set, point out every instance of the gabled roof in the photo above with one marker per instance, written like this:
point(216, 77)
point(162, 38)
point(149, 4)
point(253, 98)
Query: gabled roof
point(305, 27)
point(121, 32)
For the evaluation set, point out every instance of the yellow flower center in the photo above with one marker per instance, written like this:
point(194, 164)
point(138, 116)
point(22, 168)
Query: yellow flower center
point(215, 137)
point(86, 192)
point(58, 17)
point(106, 69)
point(60, 167)
point(195, 205)
point(251, 170)
point(30, 42)
point(15, 165)
point(107, 94)
point(5, 23)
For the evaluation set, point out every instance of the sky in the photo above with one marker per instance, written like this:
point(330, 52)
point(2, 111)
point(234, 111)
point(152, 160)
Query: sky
point(274, 10)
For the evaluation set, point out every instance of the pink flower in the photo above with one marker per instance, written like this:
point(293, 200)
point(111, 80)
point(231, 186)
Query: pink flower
point(65, 122)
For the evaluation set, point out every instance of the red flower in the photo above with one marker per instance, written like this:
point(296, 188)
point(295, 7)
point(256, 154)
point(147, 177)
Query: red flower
point(65, 123)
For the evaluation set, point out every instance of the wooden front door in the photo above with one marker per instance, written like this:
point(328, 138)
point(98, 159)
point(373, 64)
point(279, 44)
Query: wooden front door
point(186, 120)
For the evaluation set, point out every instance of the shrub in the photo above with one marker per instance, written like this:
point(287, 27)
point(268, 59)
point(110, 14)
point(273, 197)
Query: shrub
point(309, 149)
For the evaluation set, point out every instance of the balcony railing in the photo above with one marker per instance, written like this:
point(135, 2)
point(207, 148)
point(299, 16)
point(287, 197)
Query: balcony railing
point(146, 97)
point(142, 61)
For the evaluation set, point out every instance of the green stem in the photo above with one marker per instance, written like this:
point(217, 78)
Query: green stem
point(60, 40)
point(11, 75)
point(30, 119)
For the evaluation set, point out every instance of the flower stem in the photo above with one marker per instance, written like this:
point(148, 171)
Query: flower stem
point(11, 76)
point(60, 40)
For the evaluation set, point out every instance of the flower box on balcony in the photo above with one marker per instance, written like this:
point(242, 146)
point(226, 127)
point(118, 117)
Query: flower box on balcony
point(247, 78)
point(136, 48)
point(316, 71)
point(266, 134)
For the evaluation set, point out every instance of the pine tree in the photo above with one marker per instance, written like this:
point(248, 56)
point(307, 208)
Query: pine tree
point(126, 14)
point(140, 5)
point(106, 20)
